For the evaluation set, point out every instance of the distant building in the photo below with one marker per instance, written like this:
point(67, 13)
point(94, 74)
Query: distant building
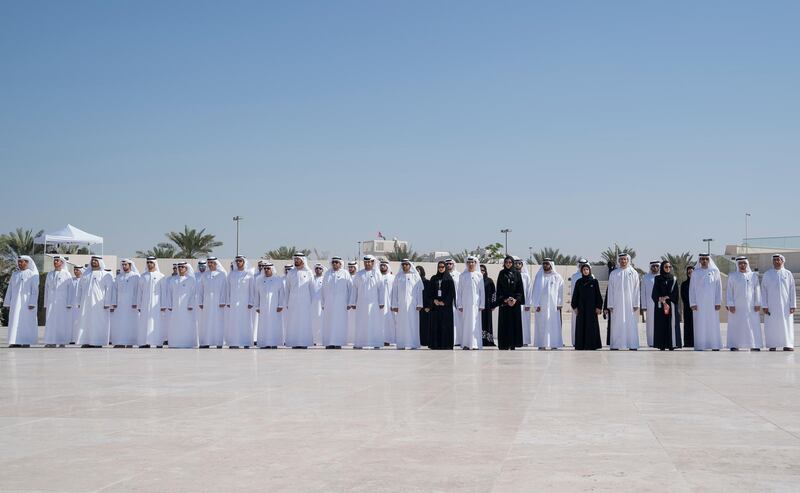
point(381, 247)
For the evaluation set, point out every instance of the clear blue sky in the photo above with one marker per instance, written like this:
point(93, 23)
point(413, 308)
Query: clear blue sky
point(577, 124)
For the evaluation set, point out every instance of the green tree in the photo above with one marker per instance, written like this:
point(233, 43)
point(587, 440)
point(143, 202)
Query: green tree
point(405, 251)
point(610, 254)
point(285, 252)
point(556, 255)
point(162, 250)
point(494, 253)
point(679, 263)
point(192, 243)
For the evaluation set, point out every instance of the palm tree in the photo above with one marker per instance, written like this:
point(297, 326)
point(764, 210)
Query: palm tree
point(556, 255)
point(285, 252)
point(679, 263)
point(162, 250)
point(611, 254)
point(192, 243)
point(19, 242)
point(401, 252)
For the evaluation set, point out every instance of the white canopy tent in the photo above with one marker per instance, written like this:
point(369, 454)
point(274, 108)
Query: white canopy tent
point(69, 235)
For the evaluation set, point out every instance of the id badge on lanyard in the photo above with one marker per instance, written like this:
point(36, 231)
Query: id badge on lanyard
point(439, 291)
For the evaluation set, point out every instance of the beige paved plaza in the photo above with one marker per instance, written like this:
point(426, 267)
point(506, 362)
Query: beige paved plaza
point(293, 420)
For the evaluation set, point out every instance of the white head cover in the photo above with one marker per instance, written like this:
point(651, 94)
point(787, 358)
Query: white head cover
point(412, 270)
point(220, 267)
point(746, 261)
point(246, 267)
point(624, 254)
point(31, 264)
point(155, 261)
point(319, 265)
point(778, 255)
point(134, 270)
point(65, 264)
point(100, 261)
point(711, 264)
point(302, 257)
point(189, 269)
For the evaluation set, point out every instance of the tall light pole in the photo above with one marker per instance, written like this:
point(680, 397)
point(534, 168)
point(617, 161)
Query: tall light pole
point(746, 236)
point(236, 219)
point(506, 231)
point(359, 251)
point(530, 253)
point(708, 243)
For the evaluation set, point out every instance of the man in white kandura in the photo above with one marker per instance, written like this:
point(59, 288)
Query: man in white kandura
point(646, 303)
point(779, 300)
point(212, 296)
point(316, 303)
point(77, 273)
point(124, 312)
point(367, 298)
point(388, 315)
point(406, 302)
point(547, 300)
point(268, 302)
point(152, 331)
point(450, 266)
point(352, 269)
point(95, 292)
point(335, 298)
point(572, 280)
point(705, 298)
point(471, 299)
point(744, 307)
point(527, 289)
point(238, 324)
point(181, 300)
point(166, 286)
point(623, 304)
point(57, 303)
point(299, 285)
point(21, 299)
point(199, 274)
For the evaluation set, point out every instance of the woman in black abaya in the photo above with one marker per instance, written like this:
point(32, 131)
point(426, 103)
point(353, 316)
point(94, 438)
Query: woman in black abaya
point(425, 313)
point(587, 304)
point(488, 308)
point(510, 298)
point(666, 323)
point(688, 321)
point(443, 294)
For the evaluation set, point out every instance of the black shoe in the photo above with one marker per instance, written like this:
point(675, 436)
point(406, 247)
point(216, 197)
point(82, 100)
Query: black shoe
point(756, 349)
point(329, 347)
point(734, 349)
point(715, 349)
point(119, 346)
point(203, 347)
point(85, 346)
point(144, 346)
point(299, 347)
point(773, 349)
point(788, 349)
point(159, 347)
point(233, 347)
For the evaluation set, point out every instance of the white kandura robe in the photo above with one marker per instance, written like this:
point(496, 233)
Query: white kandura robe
point(471, 299)
point(388, 314)
point(75, 314)
point(527, 289)
point(623, 297)
point(253, 313)
point(95, 292)
point(198, 314)
point(21, 295)
point(406, 297)
point(299, 285)
point(267, 299)
point(125, 318)
point(744, 326)
point(548, 298)
point(335, 297)
point(57, 300)
point(779, 295)
point(316, 309)
point(166, 315)
point(705, 292)
point(238, 322)
point(151, 318)
point(367, 294)
point(646, 302)
point(212, 291)
point(181, 304)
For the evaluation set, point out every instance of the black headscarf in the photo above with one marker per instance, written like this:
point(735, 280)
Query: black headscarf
point(421, 272)
point(669, 276)
point(441, 275)
point(590, 271)
point(508, 272)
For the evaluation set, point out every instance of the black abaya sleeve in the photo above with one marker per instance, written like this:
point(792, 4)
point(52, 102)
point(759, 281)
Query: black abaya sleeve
point(575, 297)
point(448, 292)
point(599, 302)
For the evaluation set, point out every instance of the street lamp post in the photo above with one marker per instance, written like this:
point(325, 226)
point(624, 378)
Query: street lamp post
point(530, 253)
point(359, 251)
point(708, 244)
point(746, 231)
point(506, 231)
point(236, 219)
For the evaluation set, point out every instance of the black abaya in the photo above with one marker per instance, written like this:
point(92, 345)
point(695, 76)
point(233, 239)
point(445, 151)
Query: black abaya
point(509, 318)
point(688, 321)
point(666, 326)
point(486, 314)
point(441, 327)
point(586, 299)
point(425, 317)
